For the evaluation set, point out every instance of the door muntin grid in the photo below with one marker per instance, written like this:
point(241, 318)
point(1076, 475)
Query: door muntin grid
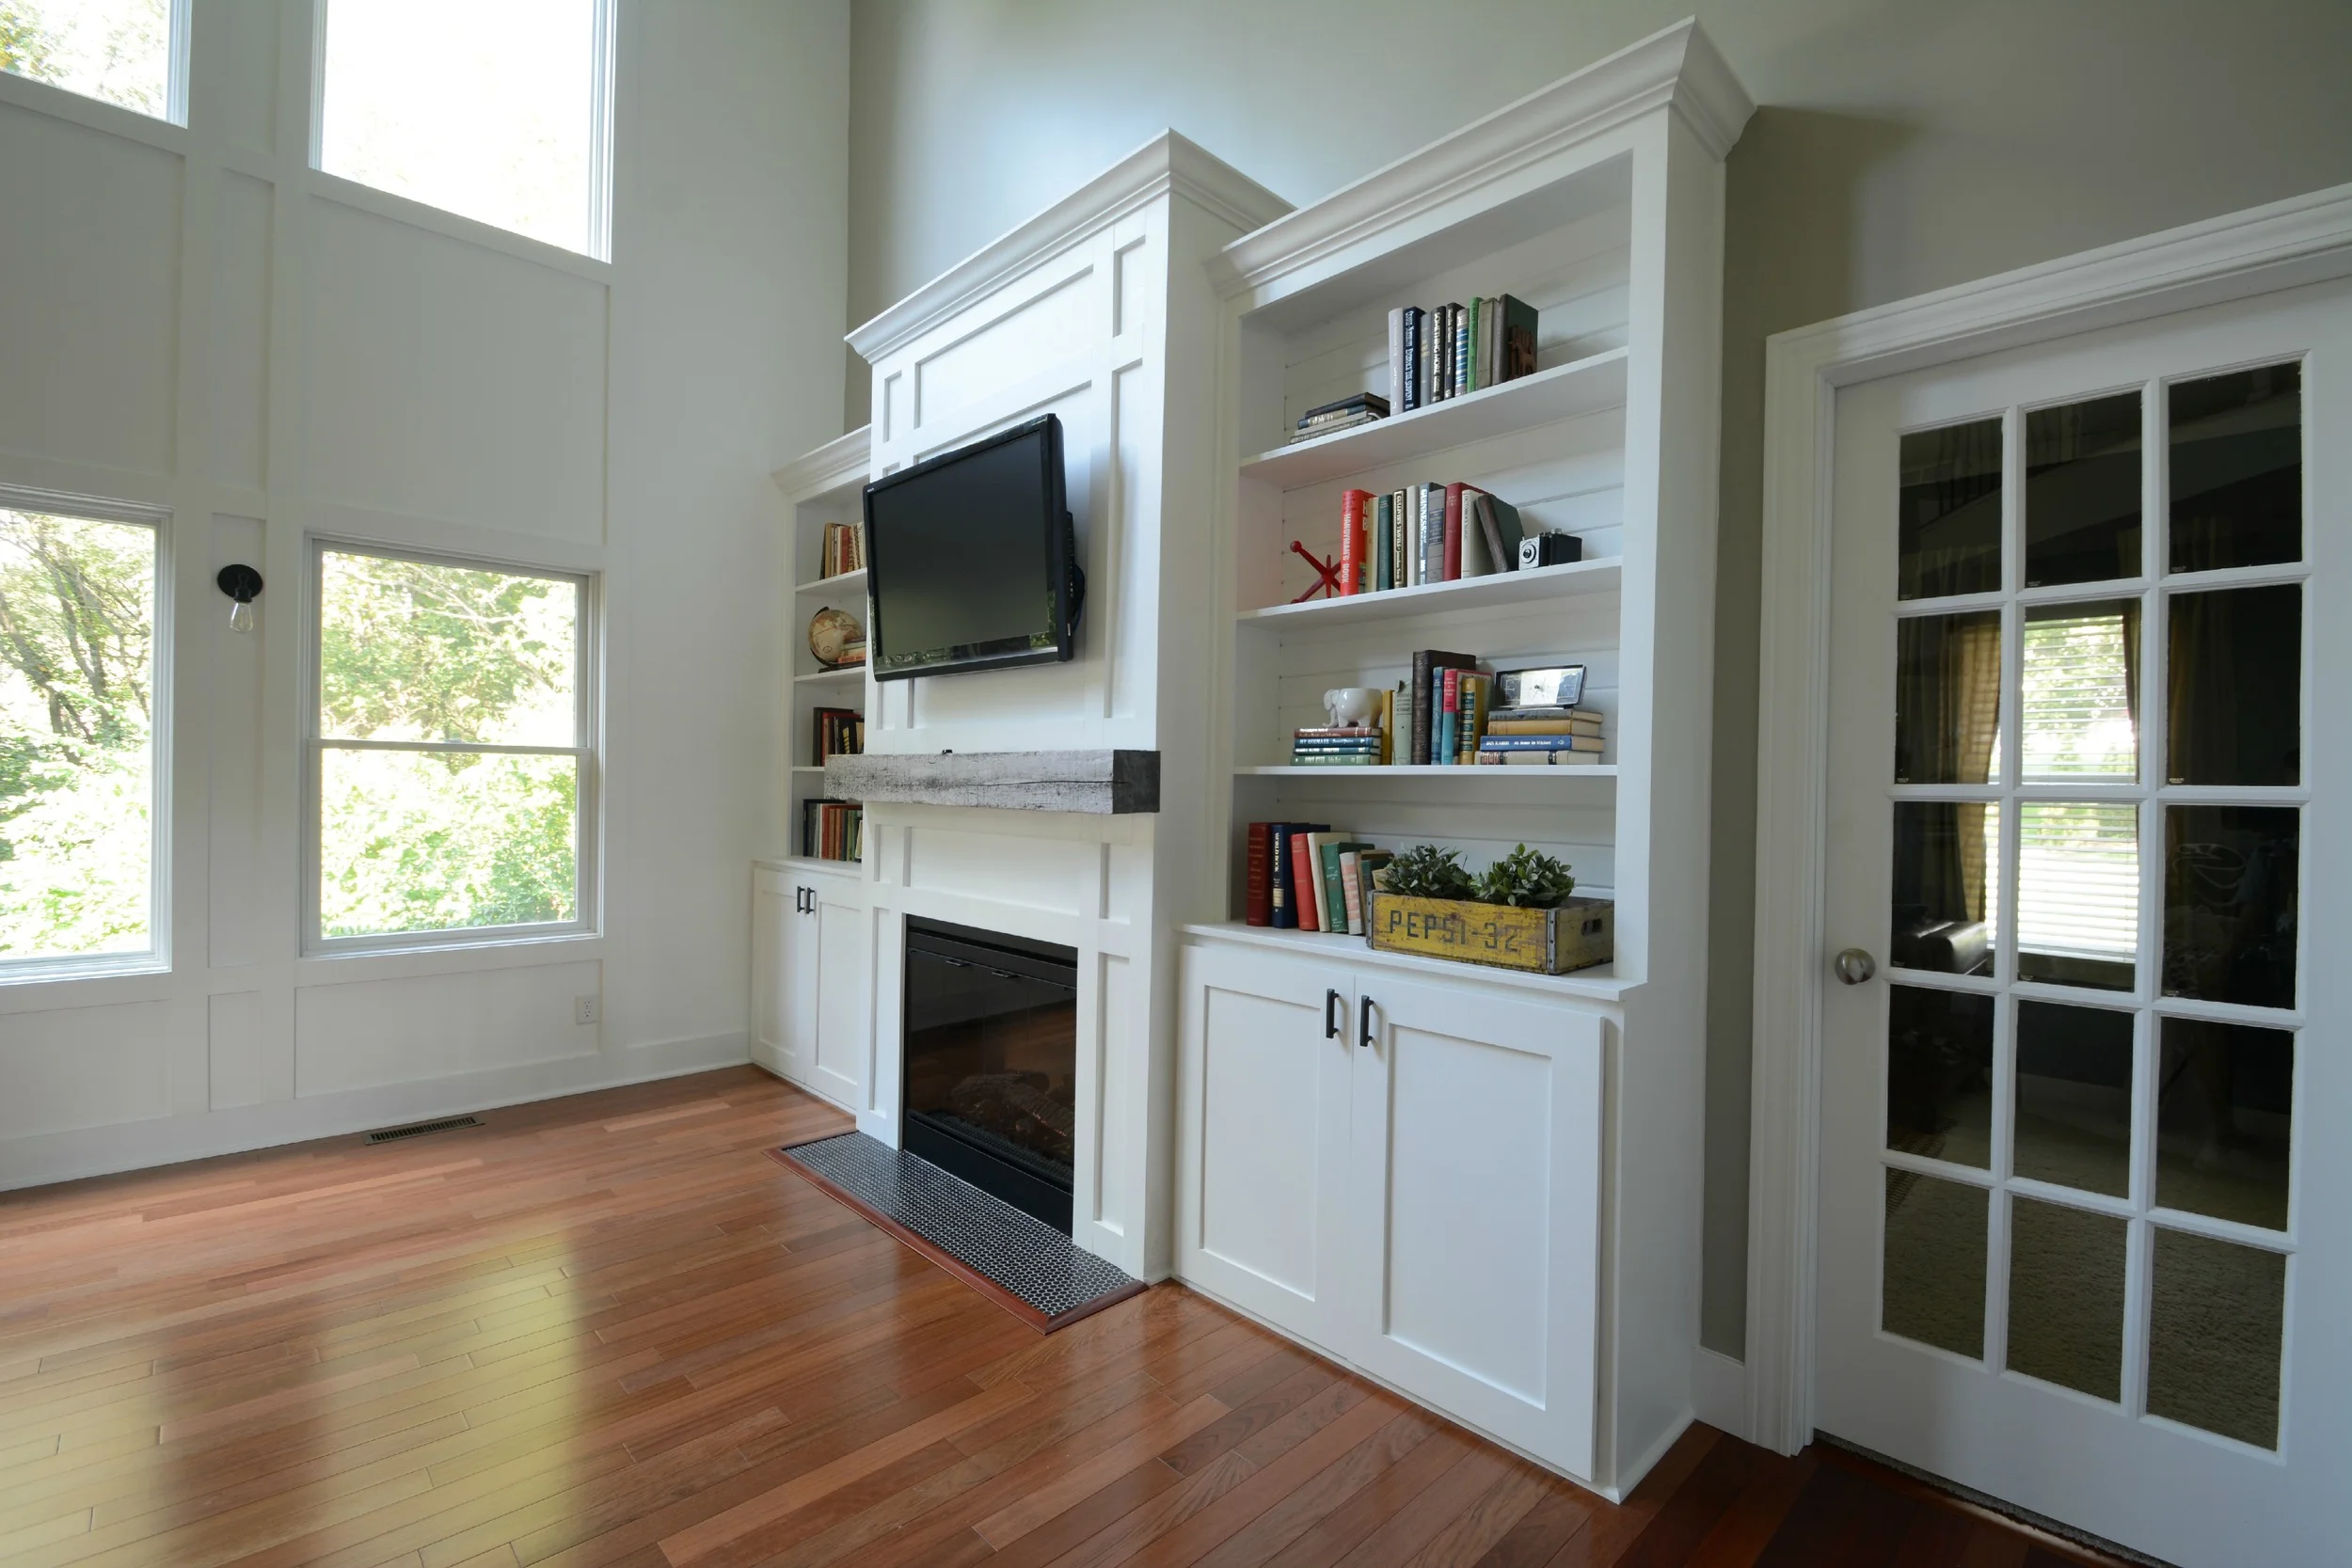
point(2159, 1139)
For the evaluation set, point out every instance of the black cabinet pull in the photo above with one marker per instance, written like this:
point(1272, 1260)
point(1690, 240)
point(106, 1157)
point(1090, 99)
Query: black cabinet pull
point(1363, 1009)
point(1331, 1024)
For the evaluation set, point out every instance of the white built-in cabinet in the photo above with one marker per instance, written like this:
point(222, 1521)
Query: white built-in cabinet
point(811, 968)
point(1406, 1174)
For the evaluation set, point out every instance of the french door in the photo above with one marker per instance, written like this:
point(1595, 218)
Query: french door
point(2086, 1095)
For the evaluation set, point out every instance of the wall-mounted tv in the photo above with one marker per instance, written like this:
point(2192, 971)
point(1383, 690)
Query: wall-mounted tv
point(971, 558)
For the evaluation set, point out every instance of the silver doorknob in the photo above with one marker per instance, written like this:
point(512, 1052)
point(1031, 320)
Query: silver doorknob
point(1854, 966)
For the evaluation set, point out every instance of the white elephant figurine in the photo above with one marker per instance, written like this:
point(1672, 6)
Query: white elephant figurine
point(1353, 705)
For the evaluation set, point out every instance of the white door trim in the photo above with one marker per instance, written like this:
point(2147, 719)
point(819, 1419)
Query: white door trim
point(2307, 239)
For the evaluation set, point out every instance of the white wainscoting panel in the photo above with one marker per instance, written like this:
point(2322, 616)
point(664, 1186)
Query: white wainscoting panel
point(249, 1064)
point(86, 1066)
point(1050, 326)
point(1261, 1110)
point(89, 251)
point(239, 406)
point(233, 749)
point(448, 380)
point(366, 1033)
point(1004, 868)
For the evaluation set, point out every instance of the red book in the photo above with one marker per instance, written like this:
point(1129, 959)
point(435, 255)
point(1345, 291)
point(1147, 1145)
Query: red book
point(1259, 910)
point(1453, 530)
point(1306, 881)
point(1352, 506)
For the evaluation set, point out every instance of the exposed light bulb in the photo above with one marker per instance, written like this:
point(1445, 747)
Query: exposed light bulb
point(241, 615)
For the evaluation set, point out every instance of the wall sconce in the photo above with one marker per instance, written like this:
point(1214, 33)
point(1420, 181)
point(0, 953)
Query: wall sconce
point(240, 583)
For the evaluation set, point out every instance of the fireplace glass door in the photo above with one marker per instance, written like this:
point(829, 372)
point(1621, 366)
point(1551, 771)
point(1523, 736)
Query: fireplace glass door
point(990, 1060)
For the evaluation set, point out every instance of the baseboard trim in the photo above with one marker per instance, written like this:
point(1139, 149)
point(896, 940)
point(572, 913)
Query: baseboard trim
point(43, 1160)
point(1719, 1391)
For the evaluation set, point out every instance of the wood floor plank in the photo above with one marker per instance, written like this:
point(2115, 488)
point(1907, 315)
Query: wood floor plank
point(607, 1332)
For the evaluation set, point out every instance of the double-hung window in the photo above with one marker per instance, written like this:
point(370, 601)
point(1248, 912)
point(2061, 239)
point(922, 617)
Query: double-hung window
point(451, 776)
point(79, 820)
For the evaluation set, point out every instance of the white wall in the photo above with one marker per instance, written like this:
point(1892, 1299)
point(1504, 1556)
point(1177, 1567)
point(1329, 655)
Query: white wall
point(194, 318)
point(1902, 147)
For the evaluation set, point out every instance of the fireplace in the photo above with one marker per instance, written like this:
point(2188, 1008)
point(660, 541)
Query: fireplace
point(991, 1062)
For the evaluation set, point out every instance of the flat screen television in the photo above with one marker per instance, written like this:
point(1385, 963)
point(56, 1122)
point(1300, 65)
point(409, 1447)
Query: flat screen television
point(971, 560)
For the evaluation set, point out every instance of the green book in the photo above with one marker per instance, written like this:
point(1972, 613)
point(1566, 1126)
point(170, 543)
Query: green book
point(1334, 907)
point(1383, 561)
point(1470, 364)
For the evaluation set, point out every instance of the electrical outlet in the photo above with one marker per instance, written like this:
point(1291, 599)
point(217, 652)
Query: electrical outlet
point(586, 1010)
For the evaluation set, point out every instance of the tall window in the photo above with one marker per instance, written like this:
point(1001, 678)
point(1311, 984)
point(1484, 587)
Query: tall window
point(497, 112)
point(77, 741)
point(452, 770)
point(125, 52)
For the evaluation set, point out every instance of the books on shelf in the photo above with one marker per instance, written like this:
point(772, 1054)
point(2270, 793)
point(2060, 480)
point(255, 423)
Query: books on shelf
point(840, 733)
point(833, 830)
point(1454, 714)
point(1345, 414)
point(1306, 875)
point(1449, 351)
point(1428, 532)
point(1544, 735)
point(1337, 746)
point(843, 549)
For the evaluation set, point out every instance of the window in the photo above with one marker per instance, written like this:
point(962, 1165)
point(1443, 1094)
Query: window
point(125, 52)
point(496, 112)
point(77, 741)
point(452, 761)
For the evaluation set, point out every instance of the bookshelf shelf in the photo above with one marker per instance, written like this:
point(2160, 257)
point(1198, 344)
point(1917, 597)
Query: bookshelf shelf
point(1600, 985)
point(1584, 386)
point(1500, 587)
point(830, 677)
point(1473, 776)
point(840, 583)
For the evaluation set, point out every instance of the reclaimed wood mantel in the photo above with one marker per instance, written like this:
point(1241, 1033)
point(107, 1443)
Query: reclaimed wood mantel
point(1102, 784)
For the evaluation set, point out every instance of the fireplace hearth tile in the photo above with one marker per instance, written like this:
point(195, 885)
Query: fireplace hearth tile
point(1057, 1281)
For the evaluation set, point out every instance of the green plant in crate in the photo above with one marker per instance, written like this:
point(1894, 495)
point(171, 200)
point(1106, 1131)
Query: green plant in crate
point(1528, 879)
point(1425, 871)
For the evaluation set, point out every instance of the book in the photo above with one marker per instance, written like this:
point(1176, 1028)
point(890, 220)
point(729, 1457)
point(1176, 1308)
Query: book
point(1352, 504)
point(1499, 527)
point(1306, 875)
point(1343, 731)
point(1257, 899)
point(1280, 912)
point(1399, 509)
point(1367, 865)
point(1507, 708)
point(1356, 402)
point(1472, 705)
point(1472, 381)
point(1494, 340)
point(1335, 759)
point(1448, 689)
point(1451, 540)
point(1400, 732)
point(1383, 558)
point(1519, 337)
point(1574, 727)
point(1397, 359)
point(1334, 886)
point(1538, 759)
point(1511, 742)
point(1415, 321)
point(1462, 351)
point(1330, 427)
point(1426, 661)
point(1351, 889)
point(1387, 727)
point(1431, 554)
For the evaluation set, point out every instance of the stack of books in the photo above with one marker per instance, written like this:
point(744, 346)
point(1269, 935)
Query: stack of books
point(1303, 876)
point(1340, 746)
point(1452, 350)
point(833, 830)
point(852, 654)
point(840, 733)
point(1544, 735)
point(844, 549)
point(1345, 414)
point(1430, 532)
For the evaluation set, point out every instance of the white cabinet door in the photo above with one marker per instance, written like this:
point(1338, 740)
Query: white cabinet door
point(1474, 1202)
point(834, 994)
point(1262, 1135)
point(773, 921)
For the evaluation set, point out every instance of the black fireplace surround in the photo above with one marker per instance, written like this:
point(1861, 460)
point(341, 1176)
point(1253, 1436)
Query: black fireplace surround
point(990, 1075)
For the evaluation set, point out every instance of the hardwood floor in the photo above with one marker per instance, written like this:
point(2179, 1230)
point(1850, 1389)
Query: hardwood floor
point(608, 1330)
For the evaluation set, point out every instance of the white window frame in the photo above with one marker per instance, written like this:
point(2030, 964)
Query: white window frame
point(602, 25)
point(155, 957)
point(587, 753)
point(175, 110)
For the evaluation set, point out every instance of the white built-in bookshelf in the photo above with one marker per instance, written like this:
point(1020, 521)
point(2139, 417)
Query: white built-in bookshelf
point(825, 486)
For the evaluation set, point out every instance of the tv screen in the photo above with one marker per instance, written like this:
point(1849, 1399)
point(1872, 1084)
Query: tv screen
point(969, 559)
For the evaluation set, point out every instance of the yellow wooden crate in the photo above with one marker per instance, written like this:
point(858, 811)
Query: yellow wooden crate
point(1578, 934)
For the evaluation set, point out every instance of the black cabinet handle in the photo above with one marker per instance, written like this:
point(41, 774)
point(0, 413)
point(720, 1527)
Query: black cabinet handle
point(1363, 1010)
point(1331, 1024)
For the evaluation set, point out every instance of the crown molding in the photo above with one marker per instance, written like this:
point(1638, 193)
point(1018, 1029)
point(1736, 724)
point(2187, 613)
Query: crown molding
point(847, 458)
point(1676, 68)
point(1168, 163)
